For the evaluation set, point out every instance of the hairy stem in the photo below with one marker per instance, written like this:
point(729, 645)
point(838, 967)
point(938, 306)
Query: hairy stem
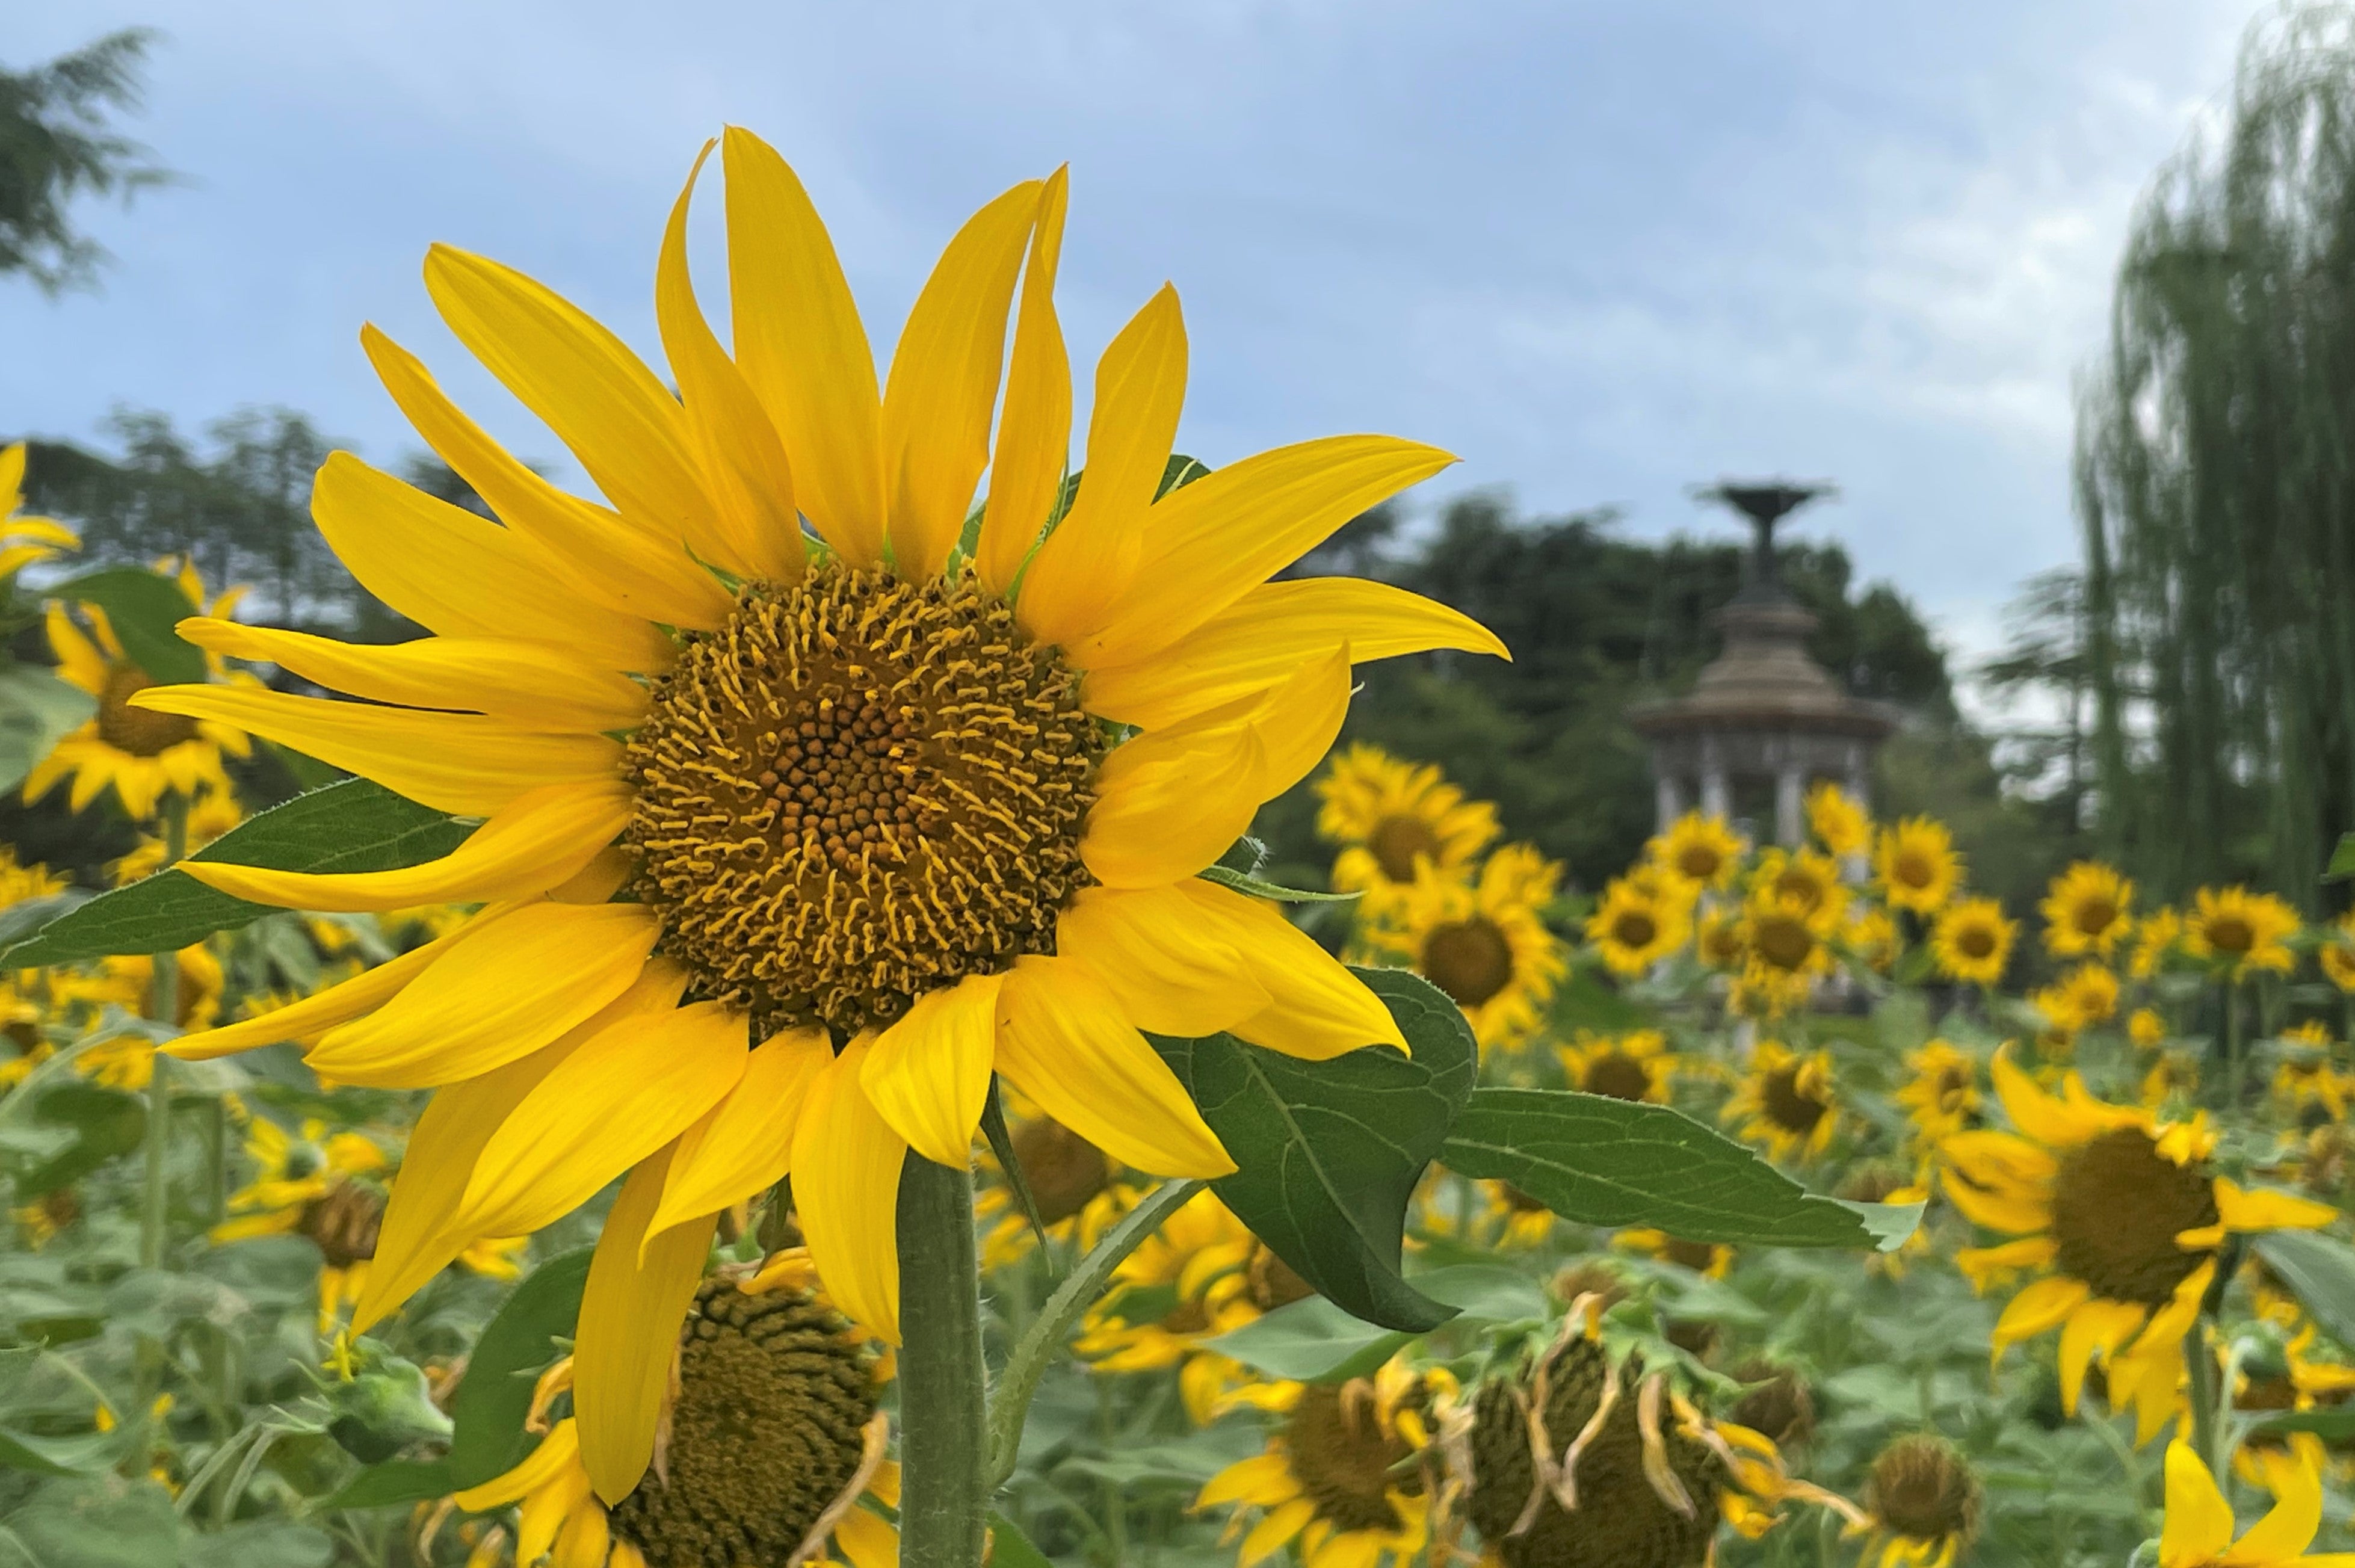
point(944, 1499)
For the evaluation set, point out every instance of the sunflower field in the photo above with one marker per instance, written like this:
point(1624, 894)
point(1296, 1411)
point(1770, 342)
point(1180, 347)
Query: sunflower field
point(765, 1037)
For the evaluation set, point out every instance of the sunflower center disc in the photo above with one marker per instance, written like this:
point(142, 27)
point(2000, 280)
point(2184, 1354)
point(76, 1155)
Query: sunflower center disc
point(766, 1432)
point(2117, 1205)
point(1801, 887)
point(1469, 959)
point(1783, 941)
point(1920, 1488)
point(1063, 1170)
point(1976, 942)
point(1342, 1458)
point(1634, 928)
point(1789, 1106)
point(1700, 862)
point(135, 730)
point(2095, 915)
point(1618, 1075)
point(2230, 934)
point(1397, 840)
point(1914, 870)
point(857, 790)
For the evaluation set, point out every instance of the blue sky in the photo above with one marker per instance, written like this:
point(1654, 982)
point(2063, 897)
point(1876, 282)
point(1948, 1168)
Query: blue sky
point(1600, 251)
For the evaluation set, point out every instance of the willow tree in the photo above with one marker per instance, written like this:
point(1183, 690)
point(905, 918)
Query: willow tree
point(2216, 487)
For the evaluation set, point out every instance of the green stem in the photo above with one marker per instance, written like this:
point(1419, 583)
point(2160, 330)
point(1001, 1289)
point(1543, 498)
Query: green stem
point(2233, 1048)
point(944, 1499)
point(2202, 1363)
point(163, 1007)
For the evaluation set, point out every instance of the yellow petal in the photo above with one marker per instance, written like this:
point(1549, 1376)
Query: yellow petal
point(463, 576)
point(305, 1021)
point(630, 1313)
point(78, 661)
point(459, 763)
point(557, 1451)
point(1317, 1008)
point(1090, 560)
point(600, 398)
point(867, 1539)
point(545, 1513)
point(536, 842)
point(499, 993)
point(943, 388)
point(759, 533)
point(1269, 1535)
point(1034, 430)
point(746, 1142)
point(529, 685)
point(2041, 1305)
point(928, 1074)
point(2050, 1121)
point(1168, 975)
point(1263, 1479)
point(1991, 1158)
point(1209, 544)
point(845, 1167)
point(1268, 634)
point(1065, 1043)
point(2288, 1527)
point(2097, 1327)
point(801, 347)
point(627, 1090)
point(1997, 1209)
point(2263, 1209)
point(2198, 1520)
point(586, 1536)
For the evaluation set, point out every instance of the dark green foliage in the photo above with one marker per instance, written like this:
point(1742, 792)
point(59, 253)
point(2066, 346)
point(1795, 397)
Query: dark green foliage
point(56, 143)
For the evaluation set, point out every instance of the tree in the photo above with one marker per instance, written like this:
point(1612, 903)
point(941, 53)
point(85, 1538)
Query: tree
point(57, 143)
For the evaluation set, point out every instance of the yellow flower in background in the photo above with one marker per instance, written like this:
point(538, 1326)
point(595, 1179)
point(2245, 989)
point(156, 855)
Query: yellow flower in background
point(1785, 951)
point(1916, 864)
point(1972, 942)
point(772, 1440)
point(1391, 818)
point(1638, 1065)
point(2147, 1029)
point(2199, 1524)
point(2174, 1076)
point(1839, 820)
point(25, 539)
point(1717, 939)
point(2087, 911)
point(2157, 938)
point(2305, 1075)
point(317, 1186)
point(1075, 1185)
point(1633, 930)
point(1704, 851)
point(1943, 1095)
point(2337, 954)
point(2085, 998)
point(1785, 1101)
point(860, 790)
point(1872, 937)
point(1485, 942)
point(1713, 1260)
point(1336, 1479)
point(2241, 931)
point(143, 752)
point(2122, 1213)
point(1197, 1270)
point(1802, 880)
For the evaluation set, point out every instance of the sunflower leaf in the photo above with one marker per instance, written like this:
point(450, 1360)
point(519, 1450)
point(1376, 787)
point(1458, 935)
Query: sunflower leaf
point(1314, 1342)
point(1330, 1151)
point(37, 712)
point(1601, 1161)
point(352, 826)
point(2342, 861)
point(2319, 1271)
point(494, 1398)
point(142, 607)
point(1227, 877)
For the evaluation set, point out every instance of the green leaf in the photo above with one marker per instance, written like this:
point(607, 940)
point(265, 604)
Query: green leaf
point(354, 826)
point(2319, 1271)
point(105, 1124)
point(1179, 472)
point(103, 1521)
point(259, 1543)
point(2342, 861)
point(85, 1455)
point(1316, 1342)
point(495, 1396)
point(37, 712)
point(1227, 877)
point(1602, 1161)
point(142, 607)
point(1330, 1151)
point(2335, 1424)
point(1009, 1548)
point(396, 1481)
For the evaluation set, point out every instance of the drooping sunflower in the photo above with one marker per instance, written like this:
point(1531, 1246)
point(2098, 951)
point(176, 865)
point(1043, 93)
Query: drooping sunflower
point(1701, 849)
point(1972, 942)
point(1785, 1101)
point(1943, 1095)
point(1637, 1066)
point(1391, 816)
point(1485, 942)
point(1923, 1503)
point(2124, 1216)
point(2199, 1528)
point(2087, 910)
point(1633, 929)
point(321, 1186)
point(143, 753)
point(1839, 820)
point(1196, 1271)
point(1338, 1478)
point(1916, 864)
point(773, 1444)
point(25, 539)
point(861, 798)
point(2239, 933)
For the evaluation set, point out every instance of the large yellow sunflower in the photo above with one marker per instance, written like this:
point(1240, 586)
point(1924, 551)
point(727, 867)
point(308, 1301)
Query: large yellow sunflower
point(1485, 941)
point(2087, 911)
point(897, 803)
point(1972, 942)
point(1786, 1102)
point(2239, 933)
point(1917, 865)
point(2124, 1216)
point(1632, 930)
point(143, 751)
point(1703, 850)
point(1391, 816)
point(24, 539)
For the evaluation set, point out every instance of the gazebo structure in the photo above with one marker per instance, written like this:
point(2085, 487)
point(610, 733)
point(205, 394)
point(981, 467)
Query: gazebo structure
point(1763, 715)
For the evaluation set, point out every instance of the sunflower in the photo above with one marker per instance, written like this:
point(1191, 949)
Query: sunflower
point(863, 805)
point(143, 753)
point(2239, 933)
point(2174, 1076)
point(1942, 1096)
point(2306, 1074)
point(772, 1444)
point(24, 539)
point(1839, 820)
point(1632, 930)
point(2157, 938)
point(322, 1187)
point(1916, 864)
point(1972, 942)
point(2086, 911)
point(1713, 1260)
point(1339, 1477)
point(1638, 1065)
point(1785, 950)
point(2199, 1528)
point(1391, 818)
point(1485, 941)
point(2085, 997)
point(1923, 1503)
point(1804, 879)
point(1717, 939)
point(1190, 1281)
point(1785, 1101)
point(2146, 1028)
point(1500, 1214)
point(1872, 937)
point(1075, 1185)
point(1701, 849)
point(2125, 1216)
point(2336, 953)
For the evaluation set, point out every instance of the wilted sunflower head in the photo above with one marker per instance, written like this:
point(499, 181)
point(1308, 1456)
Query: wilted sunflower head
point(1923, 1495)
